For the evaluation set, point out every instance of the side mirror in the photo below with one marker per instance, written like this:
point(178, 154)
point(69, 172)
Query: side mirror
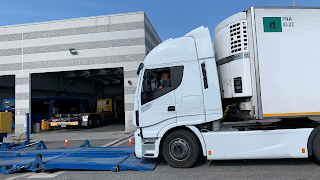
point(139, 68)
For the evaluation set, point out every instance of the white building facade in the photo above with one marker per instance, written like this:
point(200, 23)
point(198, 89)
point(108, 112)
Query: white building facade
point(120, 40)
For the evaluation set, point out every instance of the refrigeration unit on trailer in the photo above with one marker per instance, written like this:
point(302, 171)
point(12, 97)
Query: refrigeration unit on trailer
point(265, 65)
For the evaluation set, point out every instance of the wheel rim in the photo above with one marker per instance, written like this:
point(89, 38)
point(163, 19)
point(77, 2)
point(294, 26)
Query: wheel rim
point(179, 149)
point(90, 122)
point(98, 121)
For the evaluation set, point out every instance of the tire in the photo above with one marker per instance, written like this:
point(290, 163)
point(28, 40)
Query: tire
point(181, 149)
point(96, 121)
point(90, 122)
point(316, 147)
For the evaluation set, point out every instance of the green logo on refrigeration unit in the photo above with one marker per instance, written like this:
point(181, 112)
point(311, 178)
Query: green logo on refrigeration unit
point(272, 24)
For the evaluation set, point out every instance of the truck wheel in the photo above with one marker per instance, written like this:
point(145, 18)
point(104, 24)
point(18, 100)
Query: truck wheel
point(181, 149)
point(96, 121)
point(90, 122)
point(316, 147)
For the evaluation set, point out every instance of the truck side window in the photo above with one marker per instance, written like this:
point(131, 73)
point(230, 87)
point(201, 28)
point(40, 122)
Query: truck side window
point(204, 74)
point(158, 82)
point(105, 102)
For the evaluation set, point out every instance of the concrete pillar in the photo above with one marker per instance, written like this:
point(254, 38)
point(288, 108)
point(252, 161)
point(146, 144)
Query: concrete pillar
point(129, 91)
point(22, 101)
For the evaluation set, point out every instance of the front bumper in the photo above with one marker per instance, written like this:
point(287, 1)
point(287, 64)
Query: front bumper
point(138, 144)
point(146, 147)
point(63, 124)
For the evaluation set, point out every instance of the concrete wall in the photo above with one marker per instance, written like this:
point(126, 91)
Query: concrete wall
point(22, 101)
point(110, 41)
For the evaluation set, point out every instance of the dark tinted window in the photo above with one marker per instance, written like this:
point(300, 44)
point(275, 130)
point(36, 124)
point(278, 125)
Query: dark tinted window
point(204, 74)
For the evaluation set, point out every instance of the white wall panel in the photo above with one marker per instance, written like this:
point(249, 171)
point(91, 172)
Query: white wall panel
point(92, 37)
point(74, 23)
point(86, 53)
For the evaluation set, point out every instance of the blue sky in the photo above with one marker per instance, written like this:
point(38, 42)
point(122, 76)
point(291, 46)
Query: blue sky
point(170, 18)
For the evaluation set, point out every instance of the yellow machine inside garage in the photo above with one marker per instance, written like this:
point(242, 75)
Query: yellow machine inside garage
point(5, 124)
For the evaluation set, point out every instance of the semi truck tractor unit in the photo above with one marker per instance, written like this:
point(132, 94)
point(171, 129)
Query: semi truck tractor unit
point(264, 64)
point(107, 109)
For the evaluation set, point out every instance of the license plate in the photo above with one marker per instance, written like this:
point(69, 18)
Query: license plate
point(63, 125)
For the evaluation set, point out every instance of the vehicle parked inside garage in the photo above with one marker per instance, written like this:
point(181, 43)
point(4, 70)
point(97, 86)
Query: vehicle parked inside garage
point(107, 109)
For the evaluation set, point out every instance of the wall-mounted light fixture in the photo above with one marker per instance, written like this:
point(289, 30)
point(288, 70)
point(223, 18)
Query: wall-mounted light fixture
point(129, 82)
point(73, 51)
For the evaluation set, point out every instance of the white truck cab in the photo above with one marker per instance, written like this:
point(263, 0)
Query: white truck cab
point(192, 98)
point(183, 88)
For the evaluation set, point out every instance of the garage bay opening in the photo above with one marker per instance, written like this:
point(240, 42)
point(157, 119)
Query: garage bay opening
point(83, 100)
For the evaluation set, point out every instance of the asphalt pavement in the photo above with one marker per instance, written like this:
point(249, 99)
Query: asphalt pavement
point(284, 169)
point(291, 169)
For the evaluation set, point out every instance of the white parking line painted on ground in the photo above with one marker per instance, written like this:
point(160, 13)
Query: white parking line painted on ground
point(121, 142)
point(46, 175)
point(110, 143)
point(115, 142)
point(20, 176)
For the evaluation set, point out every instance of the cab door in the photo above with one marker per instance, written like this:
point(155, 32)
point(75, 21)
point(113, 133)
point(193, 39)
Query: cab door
point(189, 96)
point(156, 105)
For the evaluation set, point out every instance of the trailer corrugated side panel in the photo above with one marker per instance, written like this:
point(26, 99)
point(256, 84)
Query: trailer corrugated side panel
point(288, 43)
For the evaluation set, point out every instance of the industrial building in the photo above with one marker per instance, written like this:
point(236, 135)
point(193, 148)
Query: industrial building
point(85, 58)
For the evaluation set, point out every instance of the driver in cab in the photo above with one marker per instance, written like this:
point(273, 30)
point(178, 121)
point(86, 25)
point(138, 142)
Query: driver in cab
point(166, 83)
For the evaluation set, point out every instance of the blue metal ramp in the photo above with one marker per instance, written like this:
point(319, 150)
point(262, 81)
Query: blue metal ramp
point(82, 158)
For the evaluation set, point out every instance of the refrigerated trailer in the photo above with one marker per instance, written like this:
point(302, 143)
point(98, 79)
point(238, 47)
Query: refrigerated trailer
point(264, 64)
point(268, 61)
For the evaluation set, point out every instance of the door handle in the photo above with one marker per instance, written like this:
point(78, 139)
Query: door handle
point(171, 108)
